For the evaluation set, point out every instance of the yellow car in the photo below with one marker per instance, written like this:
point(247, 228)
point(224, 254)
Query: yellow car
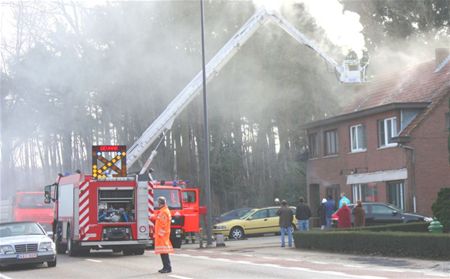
point(256, 221)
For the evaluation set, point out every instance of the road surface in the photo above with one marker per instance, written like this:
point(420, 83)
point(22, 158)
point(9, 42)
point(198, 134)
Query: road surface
point(258, 258)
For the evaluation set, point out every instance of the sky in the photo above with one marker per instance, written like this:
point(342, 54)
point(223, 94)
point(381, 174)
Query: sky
point(341, 27)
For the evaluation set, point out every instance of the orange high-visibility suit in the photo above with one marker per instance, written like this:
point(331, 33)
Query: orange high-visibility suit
point(162, 232)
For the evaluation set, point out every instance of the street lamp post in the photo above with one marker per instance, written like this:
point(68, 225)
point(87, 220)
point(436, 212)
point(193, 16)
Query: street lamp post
point(206, 137)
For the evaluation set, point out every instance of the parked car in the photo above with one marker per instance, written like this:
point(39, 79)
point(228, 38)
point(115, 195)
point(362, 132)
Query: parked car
point(378, 213)
point(232, 214)
point(256, 221)
point(25, 243)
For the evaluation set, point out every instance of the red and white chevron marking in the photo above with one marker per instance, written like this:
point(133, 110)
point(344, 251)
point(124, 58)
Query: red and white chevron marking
point(83, 210)
point(151, 207)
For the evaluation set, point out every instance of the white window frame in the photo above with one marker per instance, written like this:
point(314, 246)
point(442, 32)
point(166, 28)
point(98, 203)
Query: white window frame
point(359, 142)
point(399, 193)
point(331, 147)
point(393, 131)
point(357, 191)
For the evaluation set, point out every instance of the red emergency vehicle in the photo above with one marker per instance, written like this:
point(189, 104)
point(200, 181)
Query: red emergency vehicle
point(184, 208)
point(30, 206)
point(110, 210)
point(110, 213)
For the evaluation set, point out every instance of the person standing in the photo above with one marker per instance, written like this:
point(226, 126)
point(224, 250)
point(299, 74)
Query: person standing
point(360, 215)
point(322, 212)
point(344, 214)
point(163, 246)
point(302, 214)
point(330, 207)
point(343, 199)
point(285, 222)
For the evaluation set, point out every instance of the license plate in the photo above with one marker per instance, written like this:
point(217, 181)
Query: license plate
point(27, 256)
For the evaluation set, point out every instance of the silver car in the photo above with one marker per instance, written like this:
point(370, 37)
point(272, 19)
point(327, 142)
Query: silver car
point(25, 243)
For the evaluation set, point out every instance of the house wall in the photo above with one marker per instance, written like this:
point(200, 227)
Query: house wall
point(432, 167)
point(428, 173)
point(329, 170)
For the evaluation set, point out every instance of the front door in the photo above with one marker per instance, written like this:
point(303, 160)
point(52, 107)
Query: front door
point(314, 198)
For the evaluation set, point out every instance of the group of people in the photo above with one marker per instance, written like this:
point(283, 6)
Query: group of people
point(325, 211)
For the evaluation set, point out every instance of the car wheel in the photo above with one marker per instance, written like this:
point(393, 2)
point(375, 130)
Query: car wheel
point(127, 252)
point(139, 251)
point(237, 233)
point(52, 263)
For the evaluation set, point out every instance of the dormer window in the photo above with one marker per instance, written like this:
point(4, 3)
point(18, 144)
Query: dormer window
point(387, 129)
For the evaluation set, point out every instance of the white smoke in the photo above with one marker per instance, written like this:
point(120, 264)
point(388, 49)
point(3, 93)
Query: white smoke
point(342, 28)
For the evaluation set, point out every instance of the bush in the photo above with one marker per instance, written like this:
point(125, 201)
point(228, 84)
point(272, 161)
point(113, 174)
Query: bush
point(441, 208)
point(398, 244)
point(402, 227)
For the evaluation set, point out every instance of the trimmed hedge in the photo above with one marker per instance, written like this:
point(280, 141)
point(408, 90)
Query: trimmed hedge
point(402, 227)
point(398, 244)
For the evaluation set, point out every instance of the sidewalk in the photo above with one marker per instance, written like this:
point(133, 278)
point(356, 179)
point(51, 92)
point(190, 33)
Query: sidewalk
point(269, 247)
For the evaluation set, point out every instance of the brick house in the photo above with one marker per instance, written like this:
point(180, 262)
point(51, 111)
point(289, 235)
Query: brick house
point(389, 144)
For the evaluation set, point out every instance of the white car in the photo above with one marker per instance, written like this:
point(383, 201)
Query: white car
point(25, 243)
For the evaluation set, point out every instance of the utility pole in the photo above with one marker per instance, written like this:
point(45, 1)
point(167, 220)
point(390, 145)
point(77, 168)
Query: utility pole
point(206, 137)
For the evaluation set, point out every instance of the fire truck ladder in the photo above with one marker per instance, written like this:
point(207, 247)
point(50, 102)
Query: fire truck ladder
point(165, 120)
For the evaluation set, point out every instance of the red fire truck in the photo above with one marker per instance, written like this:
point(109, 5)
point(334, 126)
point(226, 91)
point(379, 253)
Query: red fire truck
point(30, 206)
point(110, 213)
point(184, 207)
point(109, 210)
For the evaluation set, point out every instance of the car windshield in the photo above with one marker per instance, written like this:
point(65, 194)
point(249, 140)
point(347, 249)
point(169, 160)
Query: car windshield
point(15, 229)
point(172, 197)
point(248, 214)
point(35, 200)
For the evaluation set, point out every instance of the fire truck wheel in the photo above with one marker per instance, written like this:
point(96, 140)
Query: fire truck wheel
point(237, 233)
point(176, 243)
point(60, 248)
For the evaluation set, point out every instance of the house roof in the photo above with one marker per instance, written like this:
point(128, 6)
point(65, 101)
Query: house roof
point(415, 87)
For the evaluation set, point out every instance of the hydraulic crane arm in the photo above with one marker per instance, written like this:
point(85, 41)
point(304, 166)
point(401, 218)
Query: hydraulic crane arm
point(165, 120)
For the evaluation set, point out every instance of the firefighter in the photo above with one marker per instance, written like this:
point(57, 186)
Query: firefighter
point(162, 235)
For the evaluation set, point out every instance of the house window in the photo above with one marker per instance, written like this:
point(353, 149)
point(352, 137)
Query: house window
point(387, 128)
point(396, 193)
point(313, 145)
point(359, 192)
point(331, 142)
point(358, 138)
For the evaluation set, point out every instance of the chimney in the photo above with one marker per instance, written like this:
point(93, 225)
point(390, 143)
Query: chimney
point(441, 55)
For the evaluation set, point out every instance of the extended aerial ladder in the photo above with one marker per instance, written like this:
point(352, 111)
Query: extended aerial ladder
point(349, 72)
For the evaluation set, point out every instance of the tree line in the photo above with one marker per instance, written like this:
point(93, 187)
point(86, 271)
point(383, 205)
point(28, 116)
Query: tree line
point(77, 75)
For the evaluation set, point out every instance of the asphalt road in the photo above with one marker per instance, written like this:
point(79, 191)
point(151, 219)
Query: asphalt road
point(259, 257)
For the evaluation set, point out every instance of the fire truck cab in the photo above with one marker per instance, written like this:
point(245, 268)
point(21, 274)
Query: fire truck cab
point(184, 208)
point(30, 206)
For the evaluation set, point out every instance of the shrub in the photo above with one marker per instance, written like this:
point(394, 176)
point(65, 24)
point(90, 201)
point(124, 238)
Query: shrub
point(399, 244)
point(441, 208)
point(402, 227)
